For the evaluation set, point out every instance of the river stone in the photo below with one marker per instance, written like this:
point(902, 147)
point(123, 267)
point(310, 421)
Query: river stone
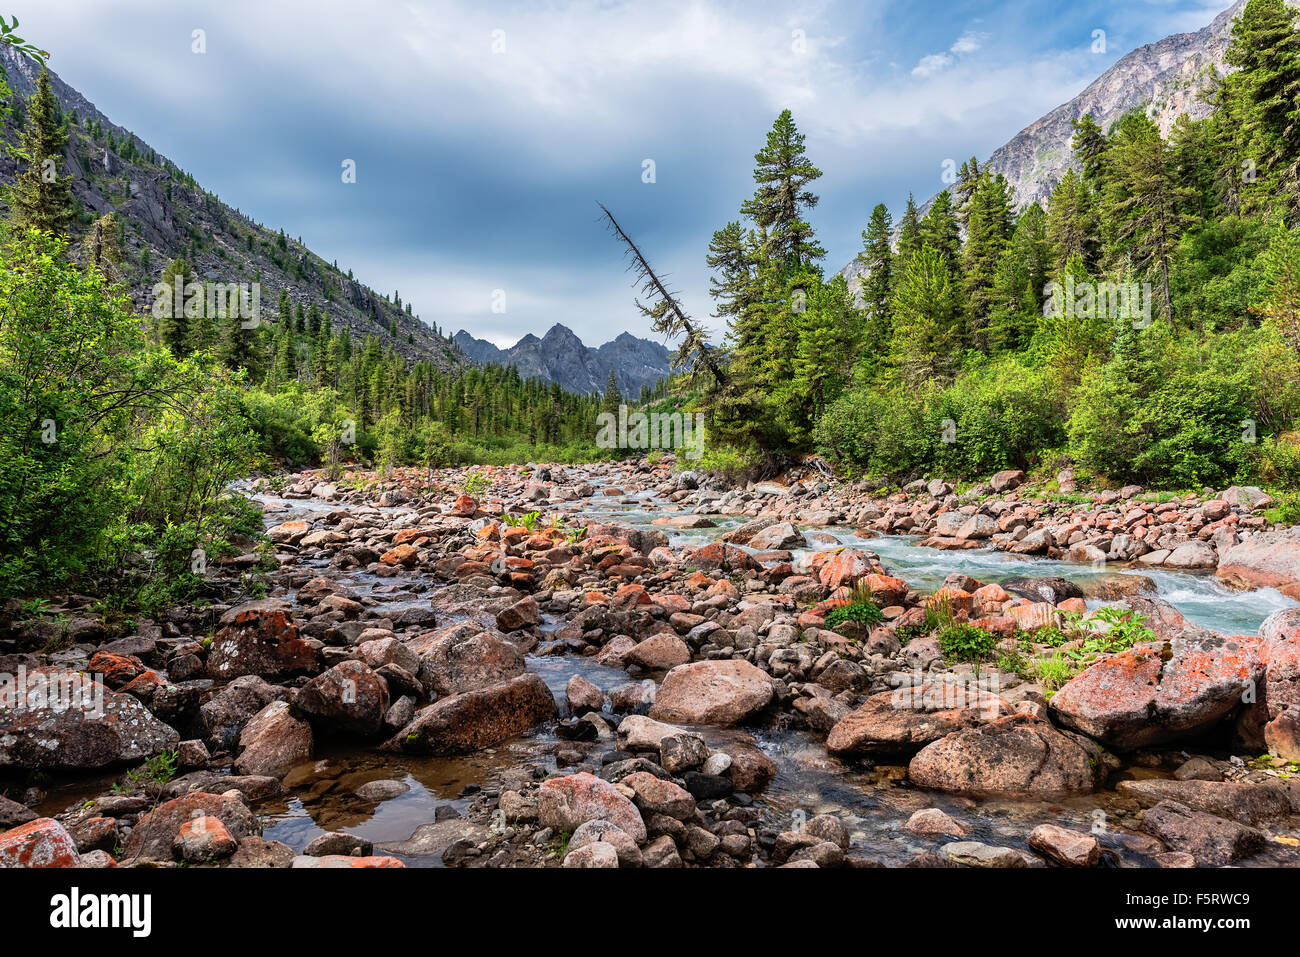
point(780, 537)
point(1147, 696)
point(712, 692)
point(224, 715)
point(349, 698)
point(1048, 589)
point(656, 795)
point(659, 653)
point(595, 854)
point(383, 790)
point(1210, 840)
point(42, 842)
point(682, 752)
point(1193, 554)
point(591, 832)
point(154, 833)
point(902, 721)
point(975, 854)
point(1018, 754)
point(1265, 558)
point(455, 662)
point(58, 718)
point(565, 803)
point(932, 822)
point(636, 732)
point(583, 696)
point(1277, 710)
point(259, 638)
point(479, 719)
point(1065, 846)
point(1239, 801)
point(274, 742)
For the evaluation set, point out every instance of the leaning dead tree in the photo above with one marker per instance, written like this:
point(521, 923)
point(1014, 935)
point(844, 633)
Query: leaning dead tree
point(666, 314)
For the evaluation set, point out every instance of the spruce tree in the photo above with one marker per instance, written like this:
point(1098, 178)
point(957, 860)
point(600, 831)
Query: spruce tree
point(909, 233)
point(41, 197)
point(878, 281)
point(783, 173)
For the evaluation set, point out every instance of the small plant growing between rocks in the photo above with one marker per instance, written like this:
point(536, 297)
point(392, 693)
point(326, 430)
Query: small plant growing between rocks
point(967, 643)
point(160, 769)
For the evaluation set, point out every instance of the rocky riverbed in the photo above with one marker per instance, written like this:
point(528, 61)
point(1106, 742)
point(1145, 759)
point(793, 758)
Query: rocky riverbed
point(625, 665)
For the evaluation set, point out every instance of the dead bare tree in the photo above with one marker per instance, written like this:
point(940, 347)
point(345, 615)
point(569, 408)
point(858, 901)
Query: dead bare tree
point(666, 315)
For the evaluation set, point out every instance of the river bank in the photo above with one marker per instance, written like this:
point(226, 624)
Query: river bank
point(644, 672)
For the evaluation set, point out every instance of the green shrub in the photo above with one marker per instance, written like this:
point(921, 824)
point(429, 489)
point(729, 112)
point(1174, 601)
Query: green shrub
point(967, 643)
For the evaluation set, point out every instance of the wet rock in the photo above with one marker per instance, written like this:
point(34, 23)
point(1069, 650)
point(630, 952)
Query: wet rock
point(1239, 801)
point(583, 696)
point(522, 614)
point(1047, 589)
point(224, 716)
point(1016, 754)
point(591, 832)
point(380, 791)
point(566, 803)
point(274, 742)
point(902, 721)
point(1278, 704)
point(1065, 846)
point(12, 813)
point(349, 698)
point(975, 854)
point(1211, 841)
point(456, 662)
point(42, 842)
point(932, 822)
point(750, 768)
point(64, 719)
point(782, 536)
point(337, 842)
point(259, 638)
point(656, 795)
point(477, 719)
point(1265, 559)
point(1145, 696)
point(659, 653)
point(712, 692)
point(154, 833)
point(202, 840)
point(682, 752)
point(257, 852)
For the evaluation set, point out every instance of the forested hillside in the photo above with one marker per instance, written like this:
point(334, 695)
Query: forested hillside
point(1142, 327)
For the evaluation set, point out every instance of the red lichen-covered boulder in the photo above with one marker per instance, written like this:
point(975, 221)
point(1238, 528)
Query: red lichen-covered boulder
point(259, 638)
point(1153, 695)
point(43, 842)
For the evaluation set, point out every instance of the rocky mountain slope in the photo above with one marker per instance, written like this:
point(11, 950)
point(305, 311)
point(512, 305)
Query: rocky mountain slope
point(1166, 78)
point(560, 356)
point(167, 215)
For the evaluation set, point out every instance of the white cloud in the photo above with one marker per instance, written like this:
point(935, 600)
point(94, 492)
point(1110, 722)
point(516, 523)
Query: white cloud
point(932, 64)
point(969, 42)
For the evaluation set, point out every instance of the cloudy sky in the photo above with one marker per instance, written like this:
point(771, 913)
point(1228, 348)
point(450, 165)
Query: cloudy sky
point(485, 132)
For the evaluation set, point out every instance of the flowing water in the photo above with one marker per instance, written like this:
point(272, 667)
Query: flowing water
point(873, 802)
